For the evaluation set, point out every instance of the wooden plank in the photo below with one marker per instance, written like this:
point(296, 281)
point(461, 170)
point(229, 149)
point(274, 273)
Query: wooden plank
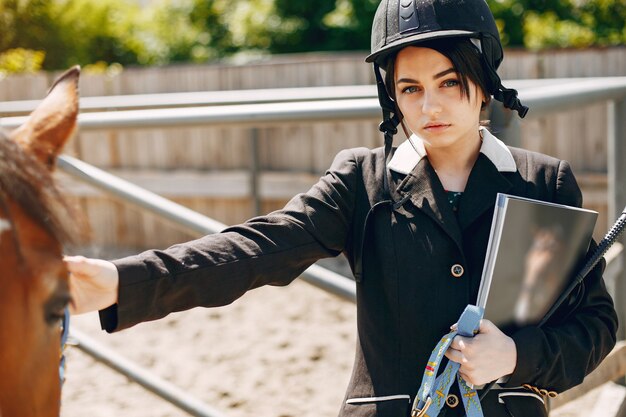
point(197, 184)
point(24, 87)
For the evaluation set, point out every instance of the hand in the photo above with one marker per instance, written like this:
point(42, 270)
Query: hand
point(93, 284)
point(486, 357)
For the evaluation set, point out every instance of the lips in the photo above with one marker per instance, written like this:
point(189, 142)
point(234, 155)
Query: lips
point(433, 126)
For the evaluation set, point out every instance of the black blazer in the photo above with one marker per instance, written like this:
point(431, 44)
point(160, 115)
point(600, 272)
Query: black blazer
point(407, 295)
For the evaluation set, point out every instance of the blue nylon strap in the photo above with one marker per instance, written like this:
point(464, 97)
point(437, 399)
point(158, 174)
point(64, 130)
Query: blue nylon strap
point(433, 391)
point(65, 332)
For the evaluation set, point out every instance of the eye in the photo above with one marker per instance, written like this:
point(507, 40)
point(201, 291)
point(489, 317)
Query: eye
point(410, 89)
point(54, 311)
point(450, 83)
point(55, 319)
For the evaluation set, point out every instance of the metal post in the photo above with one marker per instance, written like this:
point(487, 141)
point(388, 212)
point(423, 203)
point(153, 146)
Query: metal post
point(617, 193)
point(254, 171)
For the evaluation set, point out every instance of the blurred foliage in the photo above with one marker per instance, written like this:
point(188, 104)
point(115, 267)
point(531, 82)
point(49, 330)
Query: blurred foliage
point(164, 31)
point(103, 68)
point(71, 31)
point(538, 24)
point(321, 24)
point(20, 60)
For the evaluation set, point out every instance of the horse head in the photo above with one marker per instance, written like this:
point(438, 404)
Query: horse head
point(35, 223)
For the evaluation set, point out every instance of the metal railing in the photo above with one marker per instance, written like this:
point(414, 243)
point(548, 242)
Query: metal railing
point(217, 98)
point(548, 98)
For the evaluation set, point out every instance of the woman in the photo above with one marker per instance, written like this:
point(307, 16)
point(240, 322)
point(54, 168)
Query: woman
point(413, 222)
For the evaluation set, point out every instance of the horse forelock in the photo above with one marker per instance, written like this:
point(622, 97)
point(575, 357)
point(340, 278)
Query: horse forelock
point(27, 182)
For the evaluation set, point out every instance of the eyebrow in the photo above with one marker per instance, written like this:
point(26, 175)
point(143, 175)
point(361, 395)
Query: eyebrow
point(436, 76)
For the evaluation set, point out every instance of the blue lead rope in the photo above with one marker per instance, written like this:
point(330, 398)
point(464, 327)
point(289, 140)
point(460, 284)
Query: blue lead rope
point(432, 394)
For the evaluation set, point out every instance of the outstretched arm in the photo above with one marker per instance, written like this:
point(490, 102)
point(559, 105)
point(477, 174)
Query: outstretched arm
point(217, 269)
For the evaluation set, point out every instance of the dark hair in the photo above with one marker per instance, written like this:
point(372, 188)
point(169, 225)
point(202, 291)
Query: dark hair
point(466, 61)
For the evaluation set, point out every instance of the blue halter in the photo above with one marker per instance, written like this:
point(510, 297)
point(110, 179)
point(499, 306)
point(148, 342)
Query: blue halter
point(65, 332)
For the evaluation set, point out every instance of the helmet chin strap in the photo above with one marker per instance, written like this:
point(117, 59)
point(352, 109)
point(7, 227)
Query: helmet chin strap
point(508, 97)
point(391, 120)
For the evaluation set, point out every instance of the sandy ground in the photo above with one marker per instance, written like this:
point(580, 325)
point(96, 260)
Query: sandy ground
point(276, 352)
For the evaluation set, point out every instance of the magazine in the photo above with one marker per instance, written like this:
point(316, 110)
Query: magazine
point(534, 248)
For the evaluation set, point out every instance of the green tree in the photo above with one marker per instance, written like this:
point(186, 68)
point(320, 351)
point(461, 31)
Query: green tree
point(322, 25)
point(25, 24)
point(70, 31)
point(92, 30)
point(540, 24)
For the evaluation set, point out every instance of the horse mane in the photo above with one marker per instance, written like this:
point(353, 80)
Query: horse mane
point(30, 184)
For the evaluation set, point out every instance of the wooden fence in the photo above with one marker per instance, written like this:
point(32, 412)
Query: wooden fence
point(205, 168)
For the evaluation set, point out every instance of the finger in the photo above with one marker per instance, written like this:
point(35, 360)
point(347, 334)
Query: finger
point(458, 343)
point(75, 264)
point(454, 355)
point(73, 258)
point(454, 327)
point(467, 379)
point(485, 326)
point(79, 265)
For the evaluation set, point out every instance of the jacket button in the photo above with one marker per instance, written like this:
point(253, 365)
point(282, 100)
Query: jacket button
point(457, 270)
point(452, 400)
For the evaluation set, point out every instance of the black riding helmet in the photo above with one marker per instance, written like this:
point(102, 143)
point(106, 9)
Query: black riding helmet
point(400, 23)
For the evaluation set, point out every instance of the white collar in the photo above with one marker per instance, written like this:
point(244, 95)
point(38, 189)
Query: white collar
point(407, 156)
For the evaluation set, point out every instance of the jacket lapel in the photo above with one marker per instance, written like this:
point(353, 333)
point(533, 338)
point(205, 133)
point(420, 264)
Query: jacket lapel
point(427, 194)
point(484, 183)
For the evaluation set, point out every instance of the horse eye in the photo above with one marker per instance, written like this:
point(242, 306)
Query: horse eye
point(55, 319)
point(55, 310)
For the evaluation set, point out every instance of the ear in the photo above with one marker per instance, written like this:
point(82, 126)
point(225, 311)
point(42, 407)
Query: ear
point(52, 123)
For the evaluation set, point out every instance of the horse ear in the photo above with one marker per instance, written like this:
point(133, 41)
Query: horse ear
point(52, 123)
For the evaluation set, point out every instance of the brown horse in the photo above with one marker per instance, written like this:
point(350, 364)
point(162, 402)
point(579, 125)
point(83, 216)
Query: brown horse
point(35, 223)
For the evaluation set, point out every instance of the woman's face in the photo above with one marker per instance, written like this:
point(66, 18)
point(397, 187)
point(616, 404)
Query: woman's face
point(428, 92)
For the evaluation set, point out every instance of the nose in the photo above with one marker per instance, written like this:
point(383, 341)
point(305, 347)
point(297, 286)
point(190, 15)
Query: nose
point(431, 104)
